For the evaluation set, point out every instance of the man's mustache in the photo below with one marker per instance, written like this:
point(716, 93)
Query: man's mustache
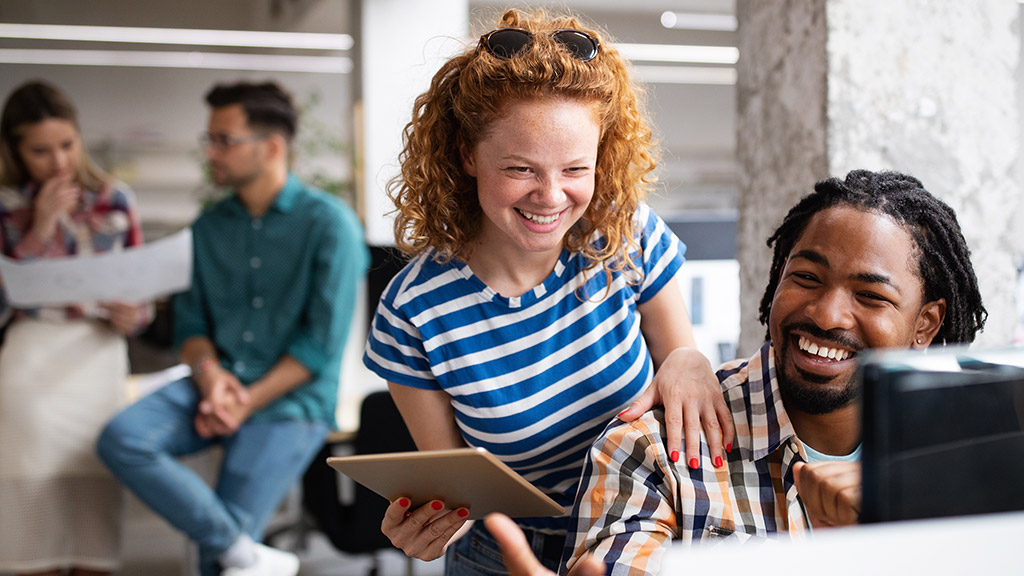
point(841, 338)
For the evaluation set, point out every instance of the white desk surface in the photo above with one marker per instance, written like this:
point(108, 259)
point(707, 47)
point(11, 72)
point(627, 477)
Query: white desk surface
point(967, 545)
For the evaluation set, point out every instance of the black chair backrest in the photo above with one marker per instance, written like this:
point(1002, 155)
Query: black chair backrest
point(355, 527)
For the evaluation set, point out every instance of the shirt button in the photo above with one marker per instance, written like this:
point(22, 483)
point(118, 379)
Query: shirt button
point(257, 224)
point(255, 262)
point(248, 336)
point(239, 367)
point(257, 302)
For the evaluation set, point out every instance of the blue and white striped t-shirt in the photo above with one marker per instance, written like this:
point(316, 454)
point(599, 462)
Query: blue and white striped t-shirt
point(534, 379)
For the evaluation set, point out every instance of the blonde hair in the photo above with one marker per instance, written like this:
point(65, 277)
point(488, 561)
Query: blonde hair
point(436, 201)
point(29, 104)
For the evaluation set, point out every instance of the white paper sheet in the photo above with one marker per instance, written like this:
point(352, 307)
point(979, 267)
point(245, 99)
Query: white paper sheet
point(138, 274)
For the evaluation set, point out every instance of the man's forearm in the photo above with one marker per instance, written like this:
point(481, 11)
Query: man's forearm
point(284, 377)
point(196, 350)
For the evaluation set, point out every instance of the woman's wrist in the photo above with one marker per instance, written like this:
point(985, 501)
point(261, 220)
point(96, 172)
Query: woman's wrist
point(44, 231)
point(691, 358)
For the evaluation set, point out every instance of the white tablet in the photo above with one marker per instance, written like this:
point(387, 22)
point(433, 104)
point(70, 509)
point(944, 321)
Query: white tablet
point(470, 477)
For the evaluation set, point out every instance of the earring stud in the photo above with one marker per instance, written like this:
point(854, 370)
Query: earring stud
point(918, 340)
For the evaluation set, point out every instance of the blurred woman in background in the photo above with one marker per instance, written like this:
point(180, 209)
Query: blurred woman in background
point(62, 368)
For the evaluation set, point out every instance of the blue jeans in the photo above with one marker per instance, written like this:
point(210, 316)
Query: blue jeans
point(477, 553)
point(261, 462)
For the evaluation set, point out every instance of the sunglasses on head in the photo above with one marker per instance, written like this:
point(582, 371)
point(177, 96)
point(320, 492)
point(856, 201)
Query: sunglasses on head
point(508, 42)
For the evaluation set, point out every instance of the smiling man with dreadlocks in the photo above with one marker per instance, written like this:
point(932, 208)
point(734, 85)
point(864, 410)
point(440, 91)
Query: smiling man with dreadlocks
point(872, 261)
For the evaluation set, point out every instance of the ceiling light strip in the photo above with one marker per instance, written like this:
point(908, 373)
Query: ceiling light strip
point(680, 53)
point(180, 36)
point(686, 75)
point(699, 21)
point(203, 60)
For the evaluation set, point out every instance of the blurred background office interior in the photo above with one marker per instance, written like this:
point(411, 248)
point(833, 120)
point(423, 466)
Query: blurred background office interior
point(138, 70)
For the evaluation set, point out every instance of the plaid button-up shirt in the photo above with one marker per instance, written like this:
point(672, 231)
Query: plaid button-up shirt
point(104, 220)
point(633, 500)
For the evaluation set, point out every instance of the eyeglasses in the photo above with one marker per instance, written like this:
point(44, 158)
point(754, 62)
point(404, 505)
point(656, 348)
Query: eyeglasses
point(225, 141)
point(508, 42)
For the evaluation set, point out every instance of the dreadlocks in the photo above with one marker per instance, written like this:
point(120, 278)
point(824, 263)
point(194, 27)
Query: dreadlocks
point(944, 259)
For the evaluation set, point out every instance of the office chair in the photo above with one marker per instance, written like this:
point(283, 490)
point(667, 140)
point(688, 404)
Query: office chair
point(353, 526)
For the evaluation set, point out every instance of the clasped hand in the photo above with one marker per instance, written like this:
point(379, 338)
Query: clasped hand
point(224, 405)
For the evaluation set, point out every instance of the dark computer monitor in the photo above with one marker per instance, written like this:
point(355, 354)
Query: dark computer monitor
point(943, 433)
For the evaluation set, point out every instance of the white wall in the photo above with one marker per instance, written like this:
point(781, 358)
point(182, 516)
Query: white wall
point(404, 43)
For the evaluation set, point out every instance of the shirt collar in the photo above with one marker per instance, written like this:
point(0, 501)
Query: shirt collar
point(752, 390)
point(283, 202)
point(286, 197)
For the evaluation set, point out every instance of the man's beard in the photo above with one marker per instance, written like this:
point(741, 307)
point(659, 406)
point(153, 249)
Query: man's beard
point(229, 179)
point(808, 394)
point(813, 393)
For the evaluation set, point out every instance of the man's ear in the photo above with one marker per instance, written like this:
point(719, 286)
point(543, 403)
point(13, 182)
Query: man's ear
point(468, 161)
point(929, 320)
point(276, 145)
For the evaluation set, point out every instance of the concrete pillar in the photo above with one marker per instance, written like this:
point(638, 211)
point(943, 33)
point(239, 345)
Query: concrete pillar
point(926, 87)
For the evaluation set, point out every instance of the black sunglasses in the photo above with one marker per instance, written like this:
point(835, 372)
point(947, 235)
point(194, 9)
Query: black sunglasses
point(508, 42)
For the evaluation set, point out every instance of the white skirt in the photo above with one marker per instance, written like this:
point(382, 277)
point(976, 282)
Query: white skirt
point(60, 382)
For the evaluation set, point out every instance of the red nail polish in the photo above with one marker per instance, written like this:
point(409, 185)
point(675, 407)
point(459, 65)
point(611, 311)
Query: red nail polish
point(436, 505)
point(728, 448)
point(463, 512)
point(403, 502)
point(674, 456)
point(694, 463)
point(619, 415)
point(718, 461)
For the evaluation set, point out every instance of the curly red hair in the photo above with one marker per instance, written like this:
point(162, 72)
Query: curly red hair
point(436, 201)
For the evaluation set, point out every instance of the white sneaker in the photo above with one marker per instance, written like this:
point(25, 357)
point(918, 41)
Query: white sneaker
point(269, 562)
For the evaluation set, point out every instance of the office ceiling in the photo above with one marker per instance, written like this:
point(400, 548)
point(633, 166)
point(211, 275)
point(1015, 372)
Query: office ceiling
point(634, 6)
point(695, 123)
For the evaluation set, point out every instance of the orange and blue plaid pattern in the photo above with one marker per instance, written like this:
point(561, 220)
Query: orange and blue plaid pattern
point(634, 500)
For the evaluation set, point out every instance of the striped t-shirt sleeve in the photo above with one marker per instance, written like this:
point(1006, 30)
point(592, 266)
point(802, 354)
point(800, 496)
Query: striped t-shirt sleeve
point(662, 253)
point(394, 349)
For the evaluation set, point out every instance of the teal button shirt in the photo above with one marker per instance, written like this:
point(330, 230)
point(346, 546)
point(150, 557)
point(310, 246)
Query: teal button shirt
point(284, 283)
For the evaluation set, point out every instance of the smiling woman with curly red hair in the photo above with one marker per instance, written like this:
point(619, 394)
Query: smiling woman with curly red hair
point(436, 200)
point(541, 300)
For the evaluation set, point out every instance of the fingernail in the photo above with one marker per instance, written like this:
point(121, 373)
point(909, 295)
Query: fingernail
point(718, 461)
point(694, 463)
point(463, 512)
point(728, 448)
point(619, 415)
point(436, 505)
point(674, 456)
point(403, 502)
